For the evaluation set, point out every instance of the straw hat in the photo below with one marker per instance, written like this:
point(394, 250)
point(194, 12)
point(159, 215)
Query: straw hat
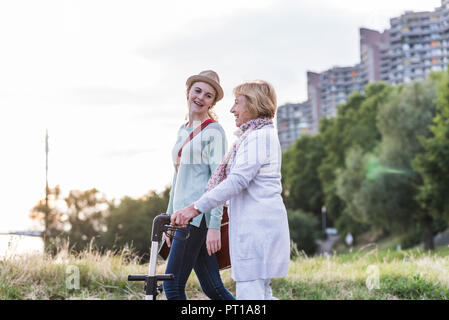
point(210, 77)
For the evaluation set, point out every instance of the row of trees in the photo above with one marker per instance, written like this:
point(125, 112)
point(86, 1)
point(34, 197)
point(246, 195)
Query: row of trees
point(380, 165)
point(86, 217)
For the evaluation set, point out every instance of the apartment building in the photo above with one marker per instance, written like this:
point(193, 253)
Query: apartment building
point(419, 44)
point(293, 120)
point(416, 44)
point(330, 88)
point(374, 55)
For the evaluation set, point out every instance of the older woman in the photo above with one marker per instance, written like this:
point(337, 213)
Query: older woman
point(249, 177)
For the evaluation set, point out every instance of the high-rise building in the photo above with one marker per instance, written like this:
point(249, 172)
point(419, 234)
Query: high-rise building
point(293, 120)
point(328, 89)
point(419, 44)
point(416, 44)
point(374, 55)
point(336, 85)
point(314, 98)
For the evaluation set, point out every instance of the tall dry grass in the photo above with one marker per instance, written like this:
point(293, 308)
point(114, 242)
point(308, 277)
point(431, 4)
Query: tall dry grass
point(42, 276)
point(411, 274)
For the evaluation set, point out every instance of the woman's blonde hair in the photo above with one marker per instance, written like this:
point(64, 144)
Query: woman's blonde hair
point(260, 97)
point(210, 112)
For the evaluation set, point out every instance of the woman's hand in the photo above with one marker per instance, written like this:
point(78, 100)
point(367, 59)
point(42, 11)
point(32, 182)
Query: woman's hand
point(166, 238)
point(213, 241)
point(181, 218)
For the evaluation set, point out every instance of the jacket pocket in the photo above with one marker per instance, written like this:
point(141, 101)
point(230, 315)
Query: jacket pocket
point(245, 247)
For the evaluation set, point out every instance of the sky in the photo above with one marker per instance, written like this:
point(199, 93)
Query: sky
point(107, 79)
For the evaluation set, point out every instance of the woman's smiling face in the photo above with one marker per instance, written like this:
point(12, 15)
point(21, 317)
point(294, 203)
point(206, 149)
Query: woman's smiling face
point(240, 111)
point(201, 97)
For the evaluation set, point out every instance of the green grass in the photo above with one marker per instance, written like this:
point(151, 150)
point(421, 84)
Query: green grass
point(407, 274)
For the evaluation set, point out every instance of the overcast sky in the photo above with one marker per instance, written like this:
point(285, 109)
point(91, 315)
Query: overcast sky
point(107, 78)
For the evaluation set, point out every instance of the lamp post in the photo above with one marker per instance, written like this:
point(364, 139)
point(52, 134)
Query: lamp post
point(323, 218)
point(46, 191)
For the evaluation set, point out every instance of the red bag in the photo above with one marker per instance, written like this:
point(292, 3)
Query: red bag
point(223, 258)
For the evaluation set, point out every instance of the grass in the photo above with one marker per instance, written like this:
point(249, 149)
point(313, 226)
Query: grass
point(38, 276)
point(410, 274)
point(368, 273)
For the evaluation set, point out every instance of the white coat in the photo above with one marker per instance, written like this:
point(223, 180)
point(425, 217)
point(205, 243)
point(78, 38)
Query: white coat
point(259, 239)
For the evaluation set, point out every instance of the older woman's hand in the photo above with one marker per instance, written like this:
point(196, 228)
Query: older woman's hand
point(181, 218)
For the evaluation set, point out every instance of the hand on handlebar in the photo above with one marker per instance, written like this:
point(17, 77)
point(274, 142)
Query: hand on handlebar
point(181, 218)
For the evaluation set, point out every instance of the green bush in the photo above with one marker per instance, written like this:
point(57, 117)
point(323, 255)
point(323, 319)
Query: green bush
point(304, 230)
point(411, 239)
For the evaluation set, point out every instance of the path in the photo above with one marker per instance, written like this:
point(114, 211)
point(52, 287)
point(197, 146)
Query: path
point(327, 245)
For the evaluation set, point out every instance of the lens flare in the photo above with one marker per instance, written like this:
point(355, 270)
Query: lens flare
point(374, 169)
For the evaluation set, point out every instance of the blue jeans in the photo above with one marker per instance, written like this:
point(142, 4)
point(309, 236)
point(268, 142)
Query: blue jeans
point(189, 254)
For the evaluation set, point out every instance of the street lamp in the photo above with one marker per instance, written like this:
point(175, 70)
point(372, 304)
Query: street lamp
point(323, 218)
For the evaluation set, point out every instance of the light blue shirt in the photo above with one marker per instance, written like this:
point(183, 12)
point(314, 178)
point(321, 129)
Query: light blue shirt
point(200, 157)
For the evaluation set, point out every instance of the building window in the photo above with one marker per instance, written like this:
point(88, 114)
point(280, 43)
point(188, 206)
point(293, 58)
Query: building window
point(435, 43)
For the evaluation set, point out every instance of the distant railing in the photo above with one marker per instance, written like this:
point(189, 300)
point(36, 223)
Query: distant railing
point(23, 233)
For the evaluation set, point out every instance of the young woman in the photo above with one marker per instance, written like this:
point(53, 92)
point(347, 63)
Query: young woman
point(194, 165)
point(250, 178)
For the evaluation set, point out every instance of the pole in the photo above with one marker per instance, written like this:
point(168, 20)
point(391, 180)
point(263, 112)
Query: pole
point(149, 295)
point(46, 190)
point(160, 225)
point(323, 218)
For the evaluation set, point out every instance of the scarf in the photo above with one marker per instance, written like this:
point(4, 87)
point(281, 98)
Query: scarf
point(225, 165)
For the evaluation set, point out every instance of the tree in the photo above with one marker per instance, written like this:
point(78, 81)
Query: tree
point(301, 184)
point(335, 146)
point(84, 217)
point(349, 182)
point(432, 164)
point(54, 224)
point(355, 126)
point(380, 187)
point(303, 230)
point(79, 217)
point(130, 222)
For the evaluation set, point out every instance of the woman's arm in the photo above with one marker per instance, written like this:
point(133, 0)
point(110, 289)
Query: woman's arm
point(245, 168)
point(172, 191)
point(217, 149)
point(246, 165)
point(170, 208)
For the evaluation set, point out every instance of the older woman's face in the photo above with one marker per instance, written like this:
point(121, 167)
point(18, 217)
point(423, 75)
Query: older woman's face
point(240, 111)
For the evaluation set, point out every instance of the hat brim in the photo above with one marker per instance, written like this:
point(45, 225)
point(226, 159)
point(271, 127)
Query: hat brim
point(214, 84)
